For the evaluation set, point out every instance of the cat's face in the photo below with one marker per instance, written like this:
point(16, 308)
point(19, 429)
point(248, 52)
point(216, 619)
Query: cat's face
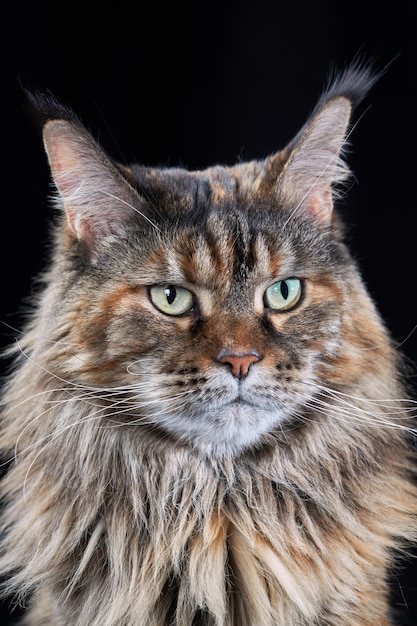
point(216, 325)
point(236, 325)
point(212, 307)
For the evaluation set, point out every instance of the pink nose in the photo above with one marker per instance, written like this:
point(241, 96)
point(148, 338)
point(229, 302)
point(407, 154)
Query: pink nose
point(240, 361)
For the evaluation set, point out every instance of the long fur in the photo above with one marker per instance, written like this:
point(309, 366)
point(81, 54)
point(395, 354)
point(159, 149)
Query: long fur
point(134, 493)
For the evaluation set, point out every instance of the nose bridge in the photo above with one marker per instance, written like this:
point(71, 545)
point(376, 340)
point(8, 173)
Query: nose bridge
point(238, 330)
point(239, 343)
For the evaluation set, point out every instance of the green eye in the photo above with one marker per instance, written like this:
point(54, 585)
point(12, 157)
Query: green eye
point(171, 300)
point(283, 295)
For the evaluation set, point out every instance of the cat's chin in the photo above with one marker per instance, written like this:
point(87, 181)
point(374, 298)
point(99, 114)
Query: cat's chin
point(226, 430)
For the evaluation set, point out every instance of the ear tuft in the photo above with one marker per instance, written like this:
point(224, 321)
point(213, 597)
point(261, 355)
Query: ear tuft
point(315, 167)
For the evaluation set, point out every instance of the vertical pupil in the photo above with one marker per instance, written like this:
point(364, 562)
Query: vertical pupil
point(170, 294)
point(284, 289)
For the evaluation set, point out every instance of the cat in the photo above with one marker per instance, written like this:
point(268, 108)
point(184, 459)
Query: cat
point(207, 421)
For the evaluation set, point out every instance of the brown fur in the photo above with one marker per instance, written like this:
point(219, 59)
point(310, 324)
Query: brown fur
point(150, 483)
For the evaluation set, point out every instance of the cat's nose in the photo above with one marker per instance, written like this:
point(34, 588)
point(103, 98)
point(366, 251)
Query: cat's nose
point(240, 361)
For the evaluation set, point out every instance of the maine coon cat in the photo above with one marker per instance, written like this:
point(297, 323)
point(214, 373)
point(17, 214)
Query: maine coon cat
point(207, 420)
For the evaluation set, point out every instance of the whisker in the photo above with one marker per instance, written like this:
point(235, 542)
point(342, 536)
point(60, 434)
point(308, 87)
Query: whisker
point(344, 407)
point(107, 193)
point(91, 395)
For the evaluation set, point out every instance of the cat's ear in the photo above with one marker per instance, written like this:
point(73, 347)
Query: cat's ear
point(314, 166)
point(97, 199)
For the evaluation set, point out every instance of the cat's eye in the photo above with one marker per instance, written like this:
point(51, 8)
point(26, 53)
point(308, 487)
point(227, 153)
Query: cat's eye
point(283, 295)
point(171, 300)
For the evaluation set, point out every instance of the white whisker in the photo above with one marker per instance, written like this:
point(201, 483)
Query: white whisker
point(387, 413)
point(107, 193)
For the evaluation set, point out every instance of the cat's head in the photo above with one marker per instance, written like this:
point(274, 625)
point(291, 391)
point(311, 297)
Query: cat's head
point(212, 307)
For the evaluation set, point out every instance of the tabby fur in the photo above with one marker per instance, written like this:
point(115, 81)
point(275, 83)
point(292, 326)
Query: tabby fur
point(232, 465)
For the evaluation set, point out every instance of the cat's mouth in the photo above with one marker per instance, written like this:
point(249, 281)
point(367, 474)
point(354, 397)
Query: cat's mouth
point(244, 399)
point(226, 422)
point(234, 425)
point(240, 403)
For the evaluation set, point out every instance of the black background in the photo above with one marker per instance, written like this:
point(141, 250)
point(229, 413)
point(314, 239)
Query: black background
point(212, 82)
